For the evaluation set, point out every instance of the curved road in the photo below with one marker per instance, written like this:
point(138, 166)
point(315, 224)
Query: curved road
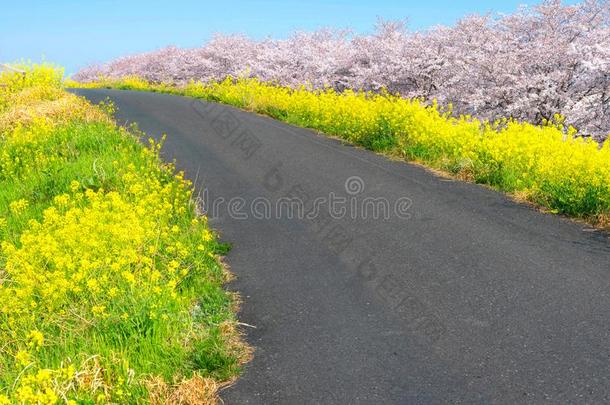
point(415, 289)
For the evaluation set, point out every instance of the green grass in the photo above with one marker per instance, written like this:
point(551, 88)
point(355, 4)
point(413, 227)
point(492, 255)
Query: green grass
point(111, 284)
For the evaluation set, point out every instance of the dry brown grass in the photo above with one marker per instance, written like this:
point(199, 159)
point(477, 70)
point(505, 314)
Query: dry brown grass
point(52, 104)
point(196, 390)
point(236, 345)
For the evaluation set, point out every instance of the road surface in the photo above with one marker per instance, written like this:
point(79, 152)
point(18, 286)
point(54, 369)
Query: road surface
point(412, 289)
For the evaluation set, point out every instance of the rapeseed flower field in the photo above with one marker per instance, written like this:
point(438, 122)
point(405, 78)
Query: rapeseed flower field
point(110, 282)
point(549, 165)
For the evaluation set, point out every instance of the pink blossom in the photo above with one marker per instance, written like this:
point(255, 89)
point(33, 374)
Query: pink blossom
point(548, 59)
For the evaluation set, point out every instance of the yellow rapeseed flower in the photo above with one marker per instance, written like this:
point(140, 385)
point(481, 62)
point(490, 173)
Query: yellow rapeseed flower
point(35, 339)
point(23, 358)
point(17, 207)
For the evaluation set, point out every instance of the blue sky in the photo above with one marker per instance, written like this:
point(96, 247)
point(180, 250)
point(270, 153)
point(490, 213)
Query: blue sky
point(75, 33)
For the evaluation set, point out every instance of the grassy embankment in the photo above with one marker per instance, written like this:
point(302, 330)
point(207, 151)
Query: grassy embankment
point(110, 283)
point(546, 165)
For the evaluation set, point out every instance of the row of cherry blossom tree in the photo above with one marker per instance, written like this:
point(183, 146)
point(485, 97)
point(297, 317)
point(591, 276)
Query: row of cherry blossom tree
point(547, 59)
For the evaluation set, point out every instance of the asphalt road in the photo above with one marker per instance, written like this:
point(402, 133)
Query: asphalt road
point(458, 295)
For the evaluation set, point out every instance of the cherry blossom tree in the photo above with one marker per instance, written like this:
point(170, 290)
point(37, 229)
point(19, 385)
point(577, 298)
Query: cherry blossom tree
point(530, 65)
